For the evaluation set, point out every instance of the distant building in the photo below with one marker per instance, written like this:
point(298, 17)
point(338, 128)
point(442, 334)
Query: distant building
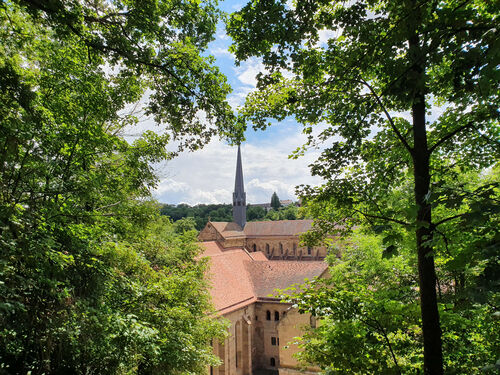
point(248, 261)
point(267, 206)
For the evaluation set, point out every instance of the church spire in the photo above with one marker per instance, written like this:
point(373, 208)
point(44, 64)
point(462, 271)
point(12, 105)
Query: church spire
point(239, 195)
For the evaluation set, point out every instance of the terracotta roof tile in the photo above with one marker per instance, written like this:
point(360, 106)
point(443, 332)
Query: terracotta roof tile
point(277, 228)
point(228, 229)
point(262, 228)
point(280, 274)
point(238, 278)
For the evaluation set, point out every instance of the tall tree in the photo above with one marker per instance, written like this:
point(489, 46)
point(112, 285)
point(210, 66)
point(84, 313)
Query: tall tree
point(372, 85)
point(275, 202)
point(91, 280)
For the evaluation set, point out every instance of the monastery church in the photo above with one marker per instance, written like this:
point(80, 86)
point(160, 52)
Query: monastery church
point(248, 261)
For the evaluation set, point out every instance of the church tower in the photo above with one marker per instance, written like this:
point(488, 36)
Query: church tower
point(239, 195)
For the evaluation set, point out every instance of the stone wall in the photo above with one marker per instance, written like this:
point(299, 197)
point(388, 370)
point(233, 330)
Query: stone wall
point(276, 247)
point(236, 351)
point(291, 326)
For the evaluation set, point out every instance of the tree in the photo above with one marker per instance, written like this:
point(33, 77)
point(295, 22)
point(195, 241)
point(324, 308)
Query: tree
point(255, 213)
point(92, 280)
point(372, 86)
point(369, 315)
point(275, 202)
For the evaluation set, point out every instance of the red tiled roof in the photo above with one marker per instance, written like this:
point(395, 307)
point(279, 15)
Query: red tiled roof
point(280, 274)
point(239, 278)
point(277, 228)
point(262, 228)
point(228, 229)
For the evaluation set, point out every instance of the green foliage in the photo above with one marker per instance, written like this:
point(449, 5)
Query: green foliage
point(255, 213)
point(275, 201)
point(290, 212)
point(370, 320)
point(91, 279)
point(200, 213)
point(385, 161)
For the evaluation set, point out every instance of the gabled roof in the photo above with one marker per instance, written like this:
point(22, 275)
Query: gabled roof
point(280, 228)
point(228, 229)
point(239, 278)
point(277, 228)
point(268, 276)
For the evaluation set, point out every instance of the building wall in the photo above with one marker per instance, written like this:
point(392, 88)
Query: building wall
point(254, 339)
point(208, 234)
point(266, 338)
point(236, 351)
point(286, 247)
point(291, 326)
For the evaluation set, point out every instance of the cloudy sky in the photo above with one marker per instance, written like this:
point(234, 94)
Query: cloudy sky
point(207, 176)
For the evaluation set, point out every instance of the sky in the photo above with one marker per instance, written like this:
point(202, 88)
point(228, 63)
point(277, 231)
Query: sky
point(207, 176)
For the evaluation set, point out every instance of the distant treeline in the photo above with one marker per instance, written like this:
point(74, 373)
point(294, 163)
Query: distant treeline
point(202, 213)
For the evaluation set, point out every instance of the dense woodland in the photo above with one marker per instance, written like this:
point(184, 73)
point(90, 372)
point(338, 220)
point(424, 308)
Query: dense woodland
point(402, 104)
point(202, 213)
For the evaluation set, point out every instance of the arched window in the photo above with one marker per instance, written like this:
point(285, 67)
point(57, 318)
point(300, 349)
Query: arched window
point(276, 315)
point(273, 362)
point(268, 315)
point(254, 248)
point(267, 248)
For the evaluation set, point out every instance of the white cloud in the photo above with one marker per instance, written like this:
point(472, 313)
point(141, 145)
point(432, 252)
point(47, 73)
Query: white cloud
point(221, 51)
point(248, 70)
point(325, 35)
point(207, 176)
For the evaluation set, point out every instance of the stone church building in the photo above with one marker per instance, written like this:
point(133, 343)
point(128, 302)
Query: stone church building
point(248, 262)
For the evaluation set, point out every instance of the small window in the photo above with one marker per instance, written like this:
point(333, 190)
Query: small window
point(256, 317)
point(268, 315)
point(254, 248)
point(309, 250)
point(276, 315)
point(267, 248)
point(273, 340)
point(273, 362)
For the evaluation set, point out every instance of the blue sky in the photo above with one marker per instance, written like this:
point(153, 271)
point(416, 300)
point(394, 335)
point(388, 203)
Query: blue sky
point(207, 176)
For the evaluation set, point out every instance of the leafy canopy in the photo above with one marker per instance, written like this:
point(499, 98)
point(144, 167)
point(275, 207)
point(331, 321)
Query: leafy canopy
point(92, 280)
point(364, 98)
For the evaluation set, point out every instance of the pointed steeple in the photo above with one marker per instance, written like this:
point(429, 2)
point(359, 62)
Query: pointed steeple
point(239, 195)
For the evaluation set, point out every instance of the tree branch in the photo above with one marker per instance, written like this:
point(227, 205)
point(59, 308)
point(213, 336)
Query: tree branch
point(449, 219)
point(449, 135)
point(382, 218)
point(389, 118)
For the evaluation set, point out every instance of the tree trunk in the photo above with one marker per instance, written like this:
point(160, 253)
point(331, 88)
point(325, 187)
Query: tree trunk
point(433, 356)
point(433, 352)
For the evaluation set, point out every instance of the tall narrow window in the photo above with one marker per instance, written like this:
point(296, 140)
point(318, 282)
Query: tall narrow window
point(309, 250)
point(281, 248)
point(254, 248)
point(276, 315)
point(273, 340)
point(267, 248)
point(273, 362)
point(268, 315)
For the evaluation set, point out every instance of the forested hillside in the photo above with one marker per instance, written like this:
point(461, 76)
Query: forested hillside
point(202, 213)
